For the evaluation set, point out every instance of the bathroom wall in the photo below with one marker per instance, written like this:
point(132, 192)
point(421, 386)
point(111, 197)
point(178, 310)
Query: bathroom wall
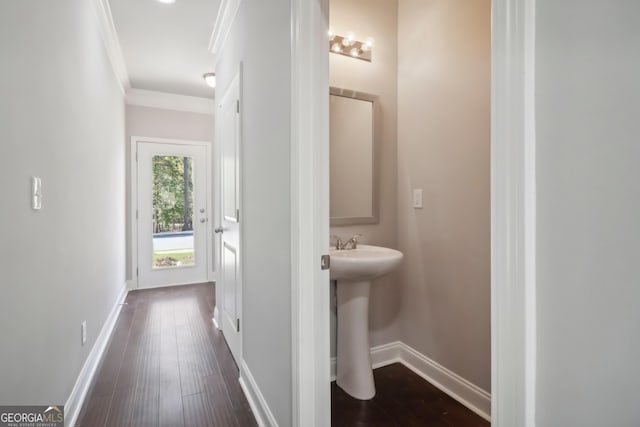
point(444, 70)
point(62, 119)
point(160, 123)
point(588, 206)
point(377, 19)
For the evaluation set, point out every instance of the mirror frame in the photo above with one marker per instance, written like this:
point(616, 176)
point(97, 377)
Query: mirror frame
point(375, 144)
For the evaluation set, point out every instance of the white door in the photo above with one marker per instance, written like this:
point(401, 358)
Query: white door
point(228, 285)
point(172, 213)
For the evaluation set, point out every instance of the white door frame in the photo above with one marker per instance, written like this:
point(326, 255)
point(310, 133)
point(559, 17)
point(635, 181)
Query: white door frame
point(513, 209)
point(512, 213)
point(134, 202)
point(310, 310)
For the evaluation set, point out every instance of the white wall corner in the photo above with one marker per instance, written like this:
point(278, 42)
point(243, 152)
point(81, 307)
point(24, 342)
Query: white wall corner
point(170, 101)
point(259, 406)
point(111, 42)
point(224, 20)
point(465, 392)
point(76, 399)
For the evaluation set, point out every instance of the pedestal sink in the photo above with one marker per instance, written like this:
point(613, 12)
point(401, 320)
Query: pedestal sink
point(354, 269)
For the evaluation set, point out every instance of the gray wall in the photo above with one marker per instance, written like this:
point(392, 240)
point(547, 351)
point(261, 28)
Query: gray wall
point(160, 123)
point(444, 67)
point(377, 19)
point(61, 118)
point(588, 210)
point(260, 38)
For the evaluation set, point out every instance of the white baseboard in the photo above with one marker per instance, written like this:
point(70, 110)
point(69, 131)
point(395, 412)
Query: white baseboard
point(216, 316)
point(259, 406)
point(470, 395)
point(76, 398)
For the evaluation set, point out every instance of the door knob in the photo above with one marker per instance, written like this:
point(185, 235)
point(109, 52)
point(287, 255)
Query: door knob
point(218, 230)
point(202, 220)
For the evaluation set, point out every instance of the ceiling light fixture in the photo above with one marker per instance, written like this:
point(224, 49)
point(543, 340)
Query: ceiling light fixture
point(354, 48)
point(210, 79)
point(167, 1)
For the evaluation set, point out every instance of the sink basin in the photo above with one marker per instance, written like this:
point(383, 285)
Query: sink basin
point(364, 263)
point(353, 271)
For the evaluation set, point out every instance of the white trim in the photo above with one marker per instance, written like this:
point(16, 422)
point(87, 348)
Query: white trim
point(259, 406)
point(111, 42)
point(74, 403)
point(170, 101)
point(513, 213)
point(216, 317)
point(226, 14)
point(465, 392)
point(310, 367)
point(133, 282)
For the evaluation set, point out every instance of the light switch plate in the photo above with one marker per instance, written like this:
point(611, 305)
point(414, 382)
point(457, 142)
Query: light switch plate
point(417, 198)
point(36, 193)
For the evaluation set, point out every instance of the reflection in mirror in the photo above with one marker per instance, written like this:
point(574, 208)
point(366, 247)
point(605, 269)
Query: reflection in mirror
point(353, 191)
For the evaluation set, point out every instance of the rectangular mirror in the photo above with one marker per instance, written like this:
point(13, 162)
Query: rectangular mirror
point(353, 174)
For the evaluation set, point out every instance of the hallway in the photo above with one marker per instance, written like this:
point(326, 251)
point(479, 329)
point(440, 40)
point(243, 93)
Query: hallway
point(167, 365)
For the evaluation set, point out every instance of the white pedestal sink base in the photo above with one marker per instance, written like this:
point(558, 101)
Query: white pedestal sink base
point(354, 373)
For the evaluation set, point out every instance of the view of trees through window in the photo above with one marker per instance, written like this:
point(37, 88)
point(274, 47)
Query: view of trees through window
point(172, 194)
point(172, 211)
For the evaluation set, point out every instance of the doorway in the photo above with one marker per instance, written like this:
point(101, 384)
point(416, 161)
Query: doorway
point(170, 188)
point(513, 247)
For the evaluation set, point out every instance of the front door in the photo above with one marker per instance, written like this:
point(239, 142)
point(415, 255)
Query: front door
point(172, 213)
point(228, 285)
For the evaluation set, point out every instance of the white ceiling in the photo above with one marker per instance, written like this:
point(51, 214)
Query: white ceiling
point(165, 47)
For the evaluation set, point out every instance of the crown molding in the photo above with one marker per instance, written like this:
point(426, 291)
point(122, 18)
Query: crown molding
point(170, 101)
point(226, 14)
point(111, 42)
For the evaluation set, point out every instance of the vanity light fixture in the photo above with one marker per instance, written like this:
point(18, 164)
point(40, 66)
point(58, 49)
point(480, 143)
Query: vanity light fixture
point(349, 46)
point(210, 79)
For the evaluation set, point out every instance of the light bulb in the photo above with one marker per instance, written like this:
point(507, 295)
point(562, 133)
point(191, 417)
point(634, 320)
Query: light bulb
point(167, 1)
point(210, 79)
point(349, 40)
point(336, 47)
point(331, 35)
point(369, 42)
point(355, 52)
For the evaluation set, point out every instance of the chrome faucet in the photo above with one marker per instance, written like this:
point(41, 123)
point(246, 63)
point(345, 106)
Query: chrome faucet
point(352, 243)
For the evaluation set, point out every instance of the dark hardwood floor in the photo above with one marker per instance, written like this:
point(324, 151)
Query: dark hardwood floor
point(402, 399)
point(167, 365)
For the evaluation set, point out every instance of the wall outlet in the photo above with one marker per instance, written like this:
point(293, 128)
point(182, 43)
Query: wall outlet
point(84, 332)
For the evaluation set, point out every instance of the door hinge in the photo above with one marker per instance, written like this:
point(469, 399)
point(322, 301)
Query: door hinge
point(237, 325)
point(136, 213)
point(137, 271)
point(325, 262)
point(237, 215)
point(136, 156)
point(238, 106)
